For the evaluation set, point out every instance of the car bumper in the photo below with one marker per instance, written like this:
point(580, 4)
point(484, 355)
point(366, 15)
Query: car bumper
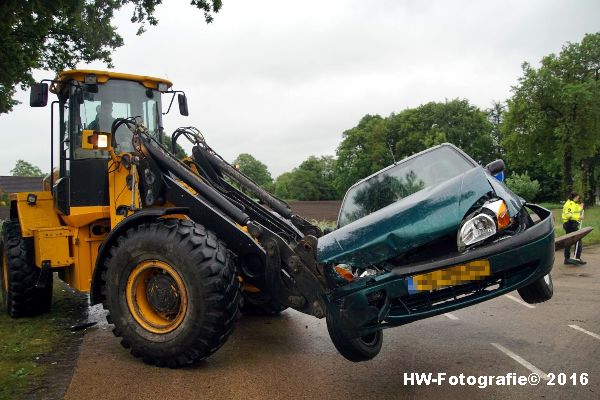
point(385, 300)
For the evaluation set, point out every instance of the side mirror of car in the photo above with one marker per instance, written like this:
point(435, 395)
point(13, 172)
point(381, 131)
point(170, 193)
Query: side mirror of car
point(38, 97)
point(183, 106)
point(495, 167)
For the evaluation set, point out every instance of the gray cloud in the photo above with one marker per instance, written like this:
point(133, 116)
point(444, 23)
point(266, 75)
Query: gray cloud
point(282, 80)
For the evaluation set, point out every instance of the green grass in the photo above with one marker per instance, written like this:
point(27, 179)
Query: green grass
point(552, 206)
point(323, 224)
point(27, 343)
point(591, 218)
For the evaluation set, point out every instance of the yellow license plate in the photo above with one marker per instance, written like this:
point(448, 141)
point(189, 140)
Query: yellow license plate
point(456, 275)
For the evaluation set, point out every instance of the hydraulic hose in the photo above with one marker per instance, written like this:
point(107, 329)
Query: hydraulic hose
point(262, 194)
point(167, 162)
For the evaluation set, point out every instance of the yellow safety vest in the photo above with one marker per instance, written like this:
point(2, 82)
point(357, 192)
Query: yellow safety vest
point(571, 211)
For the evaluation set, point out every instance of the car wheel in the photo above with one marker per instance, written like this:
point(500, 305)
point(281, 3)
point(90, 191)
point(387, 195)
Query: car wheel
point(539, 291)
point(354, 349)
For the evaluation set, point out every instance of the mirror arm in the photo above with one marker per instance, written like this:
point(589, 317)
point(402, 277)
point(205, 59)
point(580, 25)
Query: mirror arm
point(172, 98)
point(170, 104)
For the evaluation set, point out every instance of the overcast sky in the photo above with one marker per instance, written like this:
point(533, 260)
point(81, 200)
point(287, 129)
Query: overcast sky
point(283, 79)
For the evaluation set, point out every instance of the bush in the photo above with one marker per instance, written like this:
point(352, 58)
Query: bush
point(524, 186)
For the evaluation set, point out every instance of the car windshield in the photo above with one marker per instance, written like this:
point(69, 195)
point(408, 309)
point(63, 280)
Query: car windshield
point(401, 180)
point(116, 99)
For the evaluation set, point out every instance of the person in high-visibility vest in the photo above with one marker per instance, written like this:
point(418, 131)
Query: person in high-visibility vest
point(571, 218)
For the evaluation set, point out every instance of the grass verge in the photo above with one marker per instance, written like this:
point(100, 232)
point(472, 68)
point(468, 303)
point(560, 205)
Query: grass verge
point(591, 218)
point(33, 348)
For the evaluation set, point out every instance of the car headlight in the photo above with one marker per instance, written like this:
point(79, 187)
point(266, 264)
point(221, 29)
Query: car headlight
point(485, 223)
point(475, 230)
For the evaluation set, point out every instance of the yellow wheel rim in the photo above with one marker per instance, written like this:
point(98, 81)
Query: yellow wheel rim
point(156, 296)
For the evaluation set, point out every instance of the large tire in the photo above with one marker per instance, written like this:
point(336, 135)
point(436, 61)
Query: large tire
point(172, 292)
point(20, 295)
point(260, 304)
point(354, 349)
point(538, 291)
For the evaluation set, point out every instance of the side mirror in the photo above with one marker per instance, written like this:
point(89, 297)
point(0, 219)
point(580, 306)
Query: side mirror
point(183, 107)
point(38, 96)
point(495, 167)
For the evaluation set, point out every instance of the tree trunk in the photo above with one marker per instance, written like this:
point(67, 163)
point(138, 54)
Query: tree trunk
point(567, 178)
point(586, 177)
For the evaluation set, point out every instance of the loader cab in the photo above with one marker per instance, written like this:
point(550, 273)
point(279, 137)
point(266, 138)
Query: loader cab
point(92, 100)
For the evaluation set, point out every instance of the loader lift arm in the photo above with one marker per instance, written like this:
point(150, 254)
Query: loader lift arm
point(272, 253)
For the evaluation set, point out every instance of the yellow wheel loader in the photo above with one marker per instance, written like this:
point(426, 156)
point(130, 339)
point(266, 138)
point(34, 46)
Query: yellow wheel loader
point(165, 245)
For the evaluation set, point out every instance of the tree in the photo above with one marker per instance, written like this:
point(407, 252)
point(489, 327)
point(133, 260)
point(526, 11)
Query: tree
point(553, 117)
point(254, 169)
point(524, 186)
point(311, 180)
point(377, 142)
point(364, 149)
point(23, 168)
point(54, 35)
point(282, 185)
point(179, 151)
point(496, 117)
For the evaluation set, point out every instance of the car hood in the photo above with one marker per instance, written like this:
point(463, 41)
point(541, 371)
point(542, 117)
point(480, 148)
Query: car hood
point(411, 222)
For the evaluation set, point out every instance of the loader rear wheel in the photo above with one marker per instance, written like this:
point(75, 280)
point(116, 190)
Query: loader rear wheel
point(354, 349)
point(23, 295)
point(172, 292)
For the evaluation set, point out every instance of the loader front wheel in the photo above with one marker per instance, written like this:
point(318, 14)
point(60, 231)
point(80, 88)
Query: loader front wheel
point(172, 292)
point(23, 292)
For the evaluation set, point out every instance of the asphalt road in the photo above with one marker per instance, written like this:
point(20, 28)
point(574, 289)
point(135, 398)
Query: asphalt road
point(291, 356)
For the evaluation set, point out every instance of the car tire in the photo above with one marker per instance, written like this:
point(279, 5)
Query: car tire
point(23, 295)
point(538, 291)
point(354, 349)
point(172, 292)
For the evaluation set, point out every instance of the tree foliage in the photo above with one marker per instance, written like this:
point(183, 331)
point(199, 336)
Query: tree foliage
point(23, 168)
point(54, 35)
point(553, 117)
point(311, 180)
point(524, 186)
point(254, 169)
point(377, 142)
point(179, 151)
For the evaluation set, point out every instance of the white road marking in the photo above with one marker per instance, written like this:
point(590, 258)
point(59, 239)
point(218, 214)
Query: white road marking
point(522, 361)
point(513, 298)
point(592, 334)
point(451, 316)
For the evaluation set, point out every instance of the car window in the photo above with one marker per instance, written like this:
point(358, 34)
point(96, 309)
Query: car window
point(405, 178)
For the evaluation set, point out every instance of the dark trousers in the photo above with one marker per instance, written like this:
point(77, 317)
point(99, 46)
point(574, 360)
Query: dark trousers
point(572, 226)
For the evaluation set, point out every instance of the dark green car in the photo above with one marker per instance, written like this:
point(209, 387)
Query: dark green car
point(430, 234)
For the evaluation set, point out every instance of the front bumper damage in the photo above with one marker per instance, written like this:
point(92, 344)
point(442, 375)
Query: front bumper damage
point(383, 301)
